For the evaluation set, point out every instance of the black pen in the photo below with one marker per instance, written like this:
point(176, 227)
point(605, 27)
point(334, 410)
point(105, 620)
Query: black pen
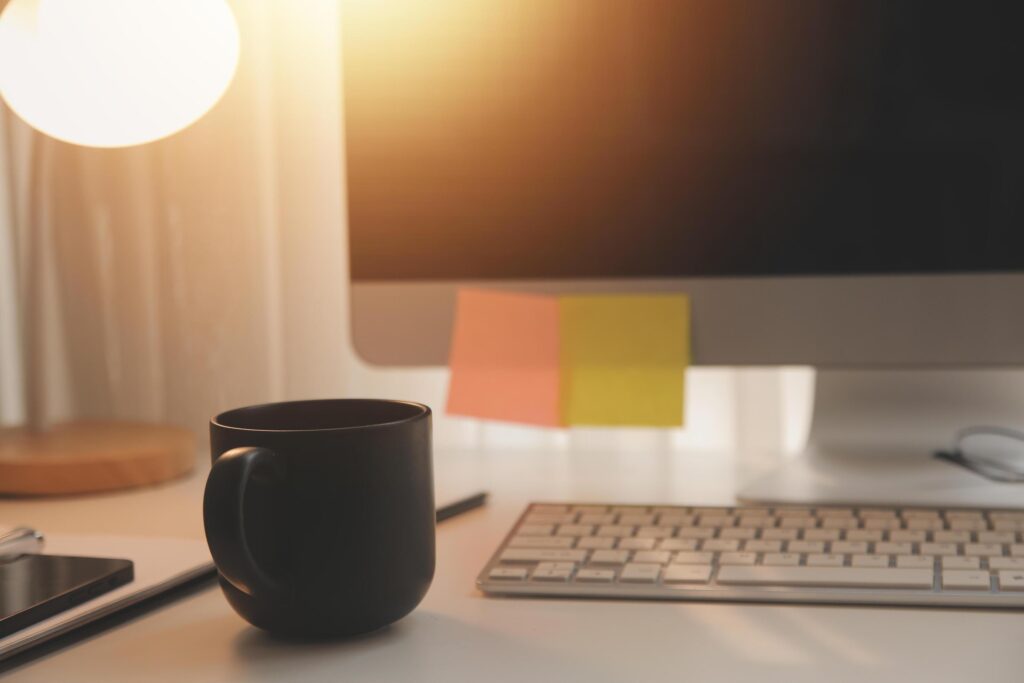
point(460, 506)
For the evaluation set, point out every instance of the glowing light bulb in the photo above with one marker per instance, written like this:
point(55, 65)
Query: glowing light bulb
point(112, 73)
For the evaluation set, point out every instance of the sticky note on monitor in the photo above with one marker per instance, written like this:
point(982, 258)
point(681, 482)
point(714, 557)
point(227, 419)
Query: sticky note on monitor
point(623, 359)
point(505, 358)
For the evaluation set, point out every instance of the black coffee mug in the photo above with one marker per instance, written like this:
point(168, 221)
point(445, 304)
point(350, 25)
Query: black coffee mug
point(320, 514)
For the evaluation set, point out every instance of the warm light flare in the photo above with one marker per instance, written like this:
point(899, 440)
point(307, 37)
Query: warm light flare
point(113, 73)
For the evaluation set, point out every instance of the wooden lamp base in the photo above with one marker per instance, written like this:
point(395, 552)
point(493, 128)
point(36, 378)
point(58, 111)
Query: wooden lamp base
point(92, 456)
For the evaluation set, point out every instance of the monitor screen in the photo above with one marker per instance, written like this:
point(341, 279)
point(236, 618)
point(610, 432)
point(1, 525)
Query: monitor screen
point(551, 139)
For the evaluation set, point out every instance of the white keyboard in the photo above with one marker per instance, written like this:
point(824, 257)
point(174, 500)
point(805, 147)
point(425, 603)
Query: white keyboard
point(905, 556)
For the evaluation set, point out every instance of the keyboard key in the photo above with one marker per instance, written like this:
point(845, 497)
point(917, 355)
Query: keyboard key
point(541, 542)
point(983, 549)
point(535, 529)
point(636, 543)
point(805, 547)
point(654, 532)
point(939, 549)
point(883, 523)
point(840, 523)
point(889, 548)
point(1017, 549)
point(537, 555)
point(869, 561)
point(915, 561)
point(720, 544)
point(904, 536)
point(738, 534)
point(687, 573)
point(912, 513)
point(652, 556)
point(678, 544)
point(960, 562)
point(763, 546)
point(798, 523)
point(926, 524)
point(559, 575)
point(567, 566)
point(508, 573)
point(1011, 581)
point(609, 557)
point(712, 511)
point(968, 525)
point(876, 513)
point(824, 560)
point(550, 519)
point(695, 532)
point(964, 514)
point(826, 513)
point(637, 520)
point(693, 558)
point(849, 547)
point(846, 577)
point(614, 530)
point(781, 559)
point(997, 537)
point(780, 534)
point(1001, 515)
point(597, 519)
point(747, 522)
point(640, 573)
point(965, 580)
point(869, 535)
point(716, 521)
point(596, 575)
point(793, 512)
point(1006, 563)
point(575, 530)
point(596, 543)
point(821, 534)
point(677, 520)
point(951, 536)
point(737, 558)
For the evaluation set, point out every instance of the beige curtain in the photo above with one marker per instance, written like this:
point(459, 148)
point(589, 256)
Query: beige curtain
point(169, 281)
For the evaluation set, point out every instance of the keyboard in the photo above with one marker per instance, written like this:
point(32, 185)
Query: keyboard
point(870, 555)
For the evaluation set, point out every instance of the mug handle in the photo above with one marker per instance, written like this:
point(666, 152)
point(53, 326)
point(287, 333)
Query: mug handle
point(223, 517)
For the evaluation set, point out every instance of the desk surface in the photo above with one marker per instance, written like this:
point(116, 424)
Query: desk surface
point(459, 635)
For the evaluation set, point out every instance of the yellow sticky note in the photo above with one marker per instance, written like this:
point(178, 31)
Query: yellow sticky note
point(623, 359)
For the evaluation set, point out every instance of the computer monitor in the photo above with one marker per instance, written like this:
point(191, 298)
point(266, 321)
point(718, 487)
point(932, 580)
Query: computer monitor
point(834, 184)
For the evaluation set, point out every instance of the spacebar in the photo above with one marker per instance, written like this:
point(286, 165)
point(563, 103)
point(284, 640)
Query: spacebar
point(845, 577)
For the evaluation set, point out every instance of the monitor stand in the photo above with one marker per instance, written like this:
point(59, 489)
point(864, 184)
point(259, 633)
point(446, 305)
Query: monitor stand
point(874, 432)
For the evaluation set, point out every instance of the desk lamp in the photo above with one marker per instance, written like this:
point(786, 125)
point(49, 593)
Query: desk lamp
point(104, 73)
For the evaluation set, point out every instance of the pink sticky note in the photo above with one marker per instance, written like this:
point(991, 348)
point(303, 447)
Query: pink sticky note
point(504, 357)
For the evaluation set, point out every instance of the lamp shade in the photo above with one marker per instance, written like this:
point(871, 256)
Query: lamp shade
point(113, 73)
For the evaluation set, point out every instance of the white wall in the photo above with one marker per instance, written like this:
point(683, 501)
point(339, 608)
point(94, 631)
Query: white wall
point(759, 409)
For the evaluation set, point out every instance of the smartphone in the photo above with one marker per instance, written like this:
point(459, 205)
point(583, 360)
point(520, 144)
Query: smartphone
point(35, 587)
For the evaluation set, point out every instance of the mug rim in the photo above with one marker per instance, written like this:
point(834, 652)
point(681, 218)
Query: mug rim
point(423, 411)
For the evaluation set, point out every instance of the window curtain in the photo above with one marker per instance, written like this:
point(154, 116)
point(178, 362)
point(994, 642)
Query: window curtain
point(209, 270)
point(171, 280)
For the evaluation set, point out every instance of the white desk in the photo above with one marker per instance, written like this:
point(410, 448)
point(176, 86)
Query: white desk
point(459, 635)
